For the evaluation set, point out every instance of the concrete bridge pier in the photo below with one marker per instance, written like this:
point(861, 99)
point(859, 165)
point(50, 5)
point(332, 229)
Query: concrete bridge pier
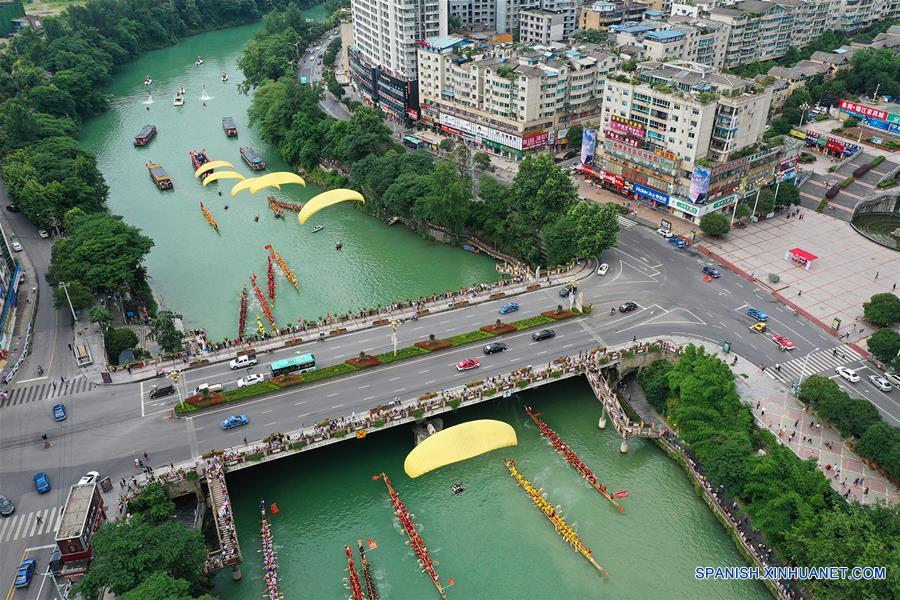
point(624, 447)
point(602, 423)
point(236, 573)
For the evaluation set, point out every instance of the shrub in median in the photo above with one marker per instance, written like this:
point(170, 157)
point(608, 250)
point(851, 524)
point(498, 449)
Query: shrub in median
point(530, 322)
point(262, 387)
point(471, 336)
point(433, 345)
point(326, 372)
point(558, 315)
point(498, 328)
point(363, 361)
point(402, 354)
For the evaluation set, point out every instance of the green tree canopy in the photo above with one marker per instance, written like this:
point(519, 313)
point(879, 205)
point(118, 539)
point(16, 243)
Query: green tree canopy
point(715, 224)
point(160, 586)
point(79, 294)
point(164, 332)
point(541, 189)
point(117, 340)
point(884, 344)
point(153, 504)
point(882, 309)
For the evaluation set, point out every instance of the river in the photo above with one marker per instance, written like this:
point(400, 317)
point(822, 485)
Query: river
point(491, 540)
point(199, 273)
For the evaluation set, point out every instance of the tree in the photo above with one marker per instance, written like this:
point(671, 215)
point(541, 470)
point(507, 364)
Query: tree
point(882, 309)
point(153, 504)
point(100, 315)
point(596, 228)
point(788, 195)
point(885, 344)
point(766, 202)
point(117, 340)
point(715, 224)
point(454, 23)
point(558, 240)
point(880, 442)
point(573, 137)
point(655, 384)
point(448, 199)
point(482, 160)
point(162, 587)
point(742, 211)
point(591, 36)
point(79, 294)
point(164, 332)
point(542, 190)
point(446, 145)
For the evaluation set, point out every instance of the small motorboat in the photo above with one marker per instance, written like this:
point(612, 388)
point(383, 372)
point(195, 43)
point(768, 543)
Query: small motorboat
point(146, 134)
point(224, 76)
point(318, 228)
point(147, 80)
point(198, 62)
point(179, 100)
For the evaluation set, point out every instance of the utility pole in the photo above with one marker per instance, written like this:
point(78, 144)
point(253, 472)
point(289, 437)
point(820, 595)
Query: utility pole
point(65, 288)
point(805, 363)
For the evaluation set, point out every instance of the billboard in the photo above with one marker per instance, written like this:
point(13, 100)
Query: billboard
point(588, 146)
point(699, 184)
point(651, 194)
point(626, 126)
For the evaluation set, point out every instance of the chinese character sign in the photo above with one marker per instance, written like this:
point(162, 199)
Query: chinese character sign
point(627, 126)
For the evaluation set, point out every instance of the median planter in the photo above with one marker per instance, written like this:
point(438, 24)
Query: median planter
point(287, 380)
point(432, 345)
point(499, 328)
point(364, 361)
point(459, 304)
point(338, 331)
point(198, 401)
point(533, 286)
point(475, 383)
point(497, 295)
point(558, 315)
point(428, 396)
point(422, 312)
point(198, 363)
point(380, 322)
point(293, 342)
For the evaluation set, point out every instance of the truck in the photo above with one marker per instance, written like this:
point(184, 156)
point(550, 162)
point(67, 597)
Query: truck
point(246, 360)
point(208, 388)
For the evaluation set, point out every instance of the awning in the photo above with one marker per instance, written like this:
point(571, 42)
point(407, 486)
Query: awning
point(801, 253)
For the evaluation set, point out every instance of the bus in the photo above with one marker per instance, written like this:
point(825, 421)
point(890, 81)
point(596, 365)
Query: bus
point(303, 80)
point(411, 141)
point(297, 364)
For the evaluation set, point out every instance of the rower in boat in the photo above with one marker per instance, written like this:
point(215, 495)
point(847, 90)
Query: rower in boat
point(147, 80)
point(198, 62)
point(181, 89)
point(224, 76)
point(318, 228)
point(457, 488)
point(339, 246)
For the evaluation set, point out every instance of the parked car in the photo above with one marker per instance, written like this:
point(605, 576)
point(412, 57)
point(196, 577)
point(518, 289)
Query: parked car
point(880, 382)
point(848, 374)
point(43, 233)
point(59, 412)
point(25, 573)
point(565, 290)
point(12, 208)
point(603, 269)
point(208, 388)
point(89, 477)
point(163, 389)
point(17, 247)
point(6, 507)
point(508, 308)
point(235, 421)
point(757, 314)
point(494, 347)
point(543, 334)
point(467, 364)
point(666, 233)
point(628, 307)
point(678, 243)
point(246, 360)
point(251, 379)
point(714, 273)
point(784, 342)
point(41, 482)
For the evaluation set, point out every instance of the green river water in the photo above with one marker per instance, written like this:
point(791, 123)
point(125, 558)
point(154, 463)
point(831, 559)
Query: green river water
point(491, 540)
point(199, 273)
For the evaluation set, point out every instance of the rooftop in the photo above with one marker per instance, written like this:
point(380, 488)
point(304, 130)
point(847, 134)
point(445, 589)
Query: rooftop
point(664, 35)
point(76, 511)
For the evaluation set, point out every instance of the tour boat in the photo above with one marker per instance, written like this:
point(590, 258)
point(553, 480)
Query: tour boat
point(229, 127)
point(198, 158)
point(198, 62)
point(147, 80)
point(179, 100)
point(253, 160)
point(159, 176)
point(318, 228)
point(146, 134)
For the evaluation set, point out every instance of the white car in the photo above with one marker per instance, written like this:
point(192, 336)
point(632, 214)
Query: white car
point(880, 382)
point(89, 477)
point(664, 232)
point(43, 233)
point(17, 247)
point(251, 379)
point(848, 374)
point(603, 269)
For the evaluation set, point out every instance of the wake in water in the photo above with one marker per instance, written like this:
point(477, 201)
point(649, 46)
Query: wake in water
point(204, 95)
point(149, 99)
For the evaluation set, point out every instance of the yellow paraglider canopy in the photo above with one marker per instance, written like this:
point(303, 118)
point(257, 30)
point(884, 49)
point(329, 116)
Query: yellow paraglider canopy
point(213, 164)
point(222, 175)
point(458, 443)
point(275, 180)
point(325, 200)
point(240, 186)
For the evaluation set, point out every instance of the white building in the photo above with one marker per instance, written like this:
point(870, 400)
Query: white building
point(539, 26)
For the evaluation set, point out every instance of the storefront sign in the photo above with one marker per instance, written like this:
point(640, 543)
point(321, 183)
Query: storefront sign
point(480, 132)
point(651, 194)
point(412, 114)
point(648, 157)
point(862, 109)
point(625, 139)
point(535, 141)
point(626, 126)
point(834, 146)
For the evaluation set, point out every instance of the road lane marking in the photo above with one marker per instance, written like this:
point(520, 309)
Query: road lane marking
point(337, 406)
point(362, 387)
point(368, 398)
point(334, 394)
point(266, 411)
point(394, 378)
point(429, 381)
point(299, 403)
point(425, 371)
point(270, 424)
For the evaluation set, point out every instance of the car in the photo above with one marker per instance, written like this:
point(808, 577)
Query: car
point(784, 342)
point(565, 290)
point(755, 313)
point(89, 478)
point(508, 308)
point(251, 379)
point(245, 360)
point(628, 307)
point(665, 232)
point(41, 482)
point(880, 382)
point(543, 334)
point(235, 421)
point(467, 364)
point(59, 412)
point(17, 247)
point(25, 573)
point(494, 347)
point(163, 389)
point(603, 269)
point(714, 273)
point(759, 328)
point(43, 233)
point(893, 379)
point(12, 208)
point(6, 507)
point(677, 242)
point(848, 374)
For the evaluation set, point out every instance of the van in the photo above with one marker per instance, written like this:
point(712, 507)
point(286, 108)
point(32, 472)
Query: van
point(208, 388)
point(893, 379)
point(163, 389)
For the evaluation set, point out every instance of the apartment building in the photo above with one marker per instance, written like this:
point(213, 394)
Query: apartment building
point(538, 26)
point(757, 30)
point(667, 122)
point(692, 39)
point(509, 100)
point(601, 15)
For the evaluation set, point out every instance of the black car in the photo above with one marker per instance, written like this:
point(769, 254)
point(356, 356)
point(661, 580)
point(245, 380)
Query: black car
point(165, 389)
point(543, 334)
point(565, 290)
point(628, 307)
point(6, 507)
point(12, 208)
point(494, 347)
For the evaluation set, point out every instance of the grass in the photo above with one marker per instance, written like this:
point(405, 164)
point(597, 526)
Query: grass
point(328, 372)
point(530, 322)
point(402, 354)
point(251, 390)
point(472, 336)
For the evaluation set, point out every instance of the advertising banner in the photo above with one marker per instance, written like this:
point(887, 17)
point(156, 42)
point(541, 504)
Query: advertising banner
point(625, 139)
point(699, 184)
point(626, 126)
point(651, 194)
point(588, 146)
point(534, 141)
point(862, 109)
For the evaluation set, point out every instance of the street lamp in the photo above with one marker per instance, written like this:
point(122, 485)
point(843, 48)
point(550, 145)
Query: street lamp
point(65, 288)
point(805, 364)
point(803, 108)
point(395, 325)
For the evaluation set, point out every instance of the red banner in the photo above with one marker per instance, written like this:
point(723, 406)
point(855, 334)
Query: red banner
point(625, 139)
point(533, 141)
point(622, 494)
point(626, 126)
point(862, 109)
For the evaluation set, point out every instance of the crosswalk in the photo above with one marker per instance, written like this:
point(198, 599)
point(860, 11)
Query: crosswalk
point(47, 389)
point(821, 360)
point(626, 223)
point(26, 525)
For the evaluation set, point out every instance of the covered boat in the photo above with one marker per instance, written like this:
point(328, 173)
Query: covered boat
point(229, 126)
point(253, 160)
point(146, 134)
point(198, 158)
point(160, 177)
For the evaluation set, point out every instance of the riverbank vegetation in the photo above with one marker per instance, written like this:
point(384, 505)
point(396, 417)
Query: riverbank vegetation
point(539, 218)
point(789, 500)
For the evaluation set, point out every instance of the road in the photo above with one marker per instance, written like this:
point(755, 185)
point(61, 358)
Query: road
point(109, 426)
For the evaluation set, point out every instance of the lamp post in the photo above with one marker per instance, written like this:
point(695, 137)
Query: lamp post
point(803, 108)
point(395, 325)
point(742, 189)
point(65, 288)
point(805, 364)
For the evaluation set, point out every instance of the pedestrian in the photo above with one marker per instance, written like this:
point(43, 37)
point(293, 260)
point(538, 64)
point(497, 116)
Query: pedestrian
point(145, 456)
point(39, 519)
point(70, 347)
point(762, 413)
point(757, 405)
point(834, 351)
point(245, 441)
point(62, 379)
point(876, 274)
point(137, 463)
point(894, 287)
point(799, 292)
point(778, 367)
point(796, 422)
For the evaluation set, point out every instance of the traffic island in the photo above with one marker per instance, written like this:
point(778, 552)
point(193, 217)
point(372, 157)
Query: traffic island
point(499, 328)
point(433, 344)
point(363, 361)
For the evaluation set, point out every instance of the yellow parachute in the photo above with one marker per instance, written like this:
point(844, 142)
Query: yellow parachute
point(222, 175)
point(240, 186)
point(213, 164)
point(325, 200)
point(275, 180)
point(458, 443)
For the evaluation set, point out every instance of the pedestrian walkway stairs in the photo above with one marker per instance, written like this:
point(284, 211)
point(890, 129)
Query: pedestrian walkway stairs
point(611, 406)
point(626, 223)
point(820, 361)
point(21, 526)
point(46, 390)
point(230, 555)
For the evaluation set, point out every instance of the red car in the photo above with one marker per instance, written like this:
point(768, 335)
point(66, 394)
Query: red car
point(466, 364)
point(784, 342)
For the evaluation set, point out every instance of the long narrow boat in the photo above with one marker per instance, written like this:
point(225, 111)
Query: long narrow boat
point(229, 126)
point(159, 176)
point(209, 218)
point(198, 158)
point(253, 160)
point(146, 134)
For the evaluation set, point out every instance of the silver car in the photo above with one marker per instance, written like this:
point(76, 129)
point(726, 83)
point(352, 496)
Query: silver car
point(880, 382)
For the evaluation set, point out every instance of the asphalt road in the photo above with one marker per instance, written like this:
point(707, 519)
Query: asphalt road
point(109, 426)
